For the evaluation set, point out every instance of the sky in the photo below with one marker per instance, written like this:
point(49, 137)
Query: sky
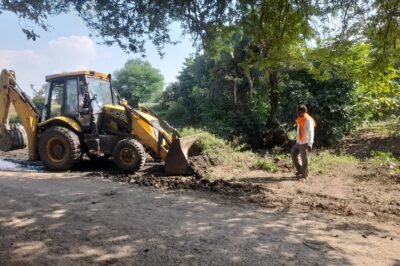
point(68, 47)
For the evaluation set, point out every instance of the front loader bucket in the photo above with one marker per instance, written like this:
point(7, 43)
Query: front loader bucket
point(177, 162)
point(13, 139)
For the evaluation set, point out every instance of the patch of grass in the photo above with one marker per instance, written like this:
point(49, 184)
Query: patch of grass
point(388, 127)
point(325, 161)
point(265, 165)
point(220, 151)
point(206, 142)
point(380, 157)
point(385, 168)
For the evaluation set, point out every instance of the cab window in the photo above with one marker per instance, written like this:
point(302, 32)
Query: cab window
point(57, 98)
point(71, 97)
point(100, 91)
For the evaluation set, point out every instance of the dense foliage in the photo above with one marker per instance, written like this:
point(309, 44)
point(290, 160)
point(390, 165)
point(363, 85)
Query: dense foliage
point(271, 23)
point(331, 102)
point(138, 81)
point(205, 96)
point(257, 59)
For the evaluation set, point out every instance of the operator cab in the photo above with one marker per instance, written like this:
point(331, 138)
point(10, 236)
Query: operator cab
point(79, 95)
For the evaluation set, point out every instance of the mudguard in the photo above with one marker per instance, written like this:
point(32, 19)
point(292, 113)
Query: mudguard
point(69, 121)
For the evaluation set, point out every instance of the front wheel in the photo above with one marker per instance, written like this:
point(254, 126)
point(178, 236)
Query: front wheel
point(129, 155)
point(59, 148)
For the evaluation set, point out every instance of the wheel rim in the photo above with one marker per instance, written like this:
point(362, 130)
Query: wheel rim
point(127, 156)
point(56, 150)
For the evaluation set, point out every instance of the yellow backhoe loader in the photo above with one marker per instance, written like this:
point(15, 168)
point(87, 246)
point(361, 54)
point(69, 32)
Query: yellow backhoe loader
point(84, 114)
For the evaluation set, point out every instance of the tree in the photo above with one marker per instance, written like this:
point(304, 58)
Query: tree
point(250, 46)
point(38, 97)
point(138, 81)
point(330, 101)
point(131, 23)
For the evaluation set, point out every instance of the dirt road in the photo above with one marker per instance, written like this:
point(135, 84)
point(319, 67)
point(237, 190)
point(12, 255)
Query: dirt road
point(68, 219)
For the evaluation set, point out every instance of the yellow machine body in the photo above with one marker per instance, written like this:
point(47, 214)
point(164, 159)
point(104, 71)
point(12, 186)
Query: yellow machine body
point(98, 130)
point(10, 94)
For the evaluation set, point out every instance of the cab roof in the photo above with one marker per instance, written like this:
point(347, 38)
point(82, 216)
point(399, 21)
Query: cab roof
point(77, 73)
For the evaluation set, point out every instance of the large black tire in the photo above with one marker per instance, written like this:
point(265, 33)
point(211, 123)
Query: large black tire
point(59, 148)
point(129, 155)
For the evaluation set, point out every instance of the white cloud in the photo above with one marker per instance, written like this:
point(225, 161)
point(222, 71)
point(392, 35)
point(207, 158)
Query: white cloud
point(26, 64)
point(11, 58)
point(67, 53)
point(75, 52)
point(76, 46)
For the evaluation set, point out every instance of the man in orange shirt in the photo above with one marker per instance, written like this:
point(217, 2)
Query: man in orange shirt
point(304, 141)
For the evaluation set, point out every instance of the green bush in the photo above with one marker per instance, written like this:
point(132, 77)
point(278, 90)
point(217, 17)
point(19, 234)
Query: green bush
point(330, 102)
point(206, 143)
point(265, 165)
point(382, 157)
point(175, 114)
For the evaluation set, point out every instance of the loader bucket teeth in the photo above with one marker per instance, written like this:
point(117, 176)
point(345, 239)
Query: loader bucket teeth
point(13, 139)
point(177, 161)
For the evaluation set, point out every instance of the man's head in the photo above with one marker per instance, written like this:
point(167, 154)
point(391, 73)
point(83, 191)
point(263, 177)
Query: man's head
point(301, 110)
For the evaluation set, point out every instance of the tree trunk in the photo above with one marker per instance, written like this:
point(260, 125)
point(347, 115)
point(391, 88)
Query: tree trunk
point(235, 89)
point(277, 134)
point(274, 96)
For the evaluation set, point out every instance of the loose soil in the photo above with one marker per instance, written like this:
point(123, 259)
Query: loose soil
point(72, 219)
point(337, 192)
point(340, 191)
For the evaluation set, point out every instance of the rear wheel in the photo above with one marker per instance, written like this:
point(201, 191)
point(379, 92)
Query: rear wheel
point(59, 148)
point(129, 155)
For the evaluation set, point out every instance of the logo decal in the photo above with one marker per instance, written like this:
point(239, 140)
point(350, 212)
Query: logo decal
point(118, 114)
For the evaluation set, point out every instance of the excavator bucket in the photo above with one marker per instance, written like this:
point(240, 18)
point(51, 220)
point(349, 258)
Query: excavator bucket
point(13, 139)
point(177, 160)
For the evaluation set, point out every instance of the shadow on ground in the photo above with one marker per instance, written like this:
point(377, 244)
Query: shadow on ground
point(84, 221)
point(266, 180)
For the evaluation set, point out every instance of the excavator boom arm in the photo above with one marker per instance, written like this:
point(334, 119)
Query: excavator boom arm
point(10, 93)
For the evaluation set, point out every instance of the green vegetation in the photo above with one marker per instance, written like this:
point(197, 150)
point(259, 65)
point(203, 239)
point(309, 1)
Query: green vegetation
point(138, 82)
point(325, 161)
point(265, 165)
point(380, 166)
point(381, 157)
point(13, 117)
point(220, 151)
point(38, 97)
point(256, 60)
point(385, 128)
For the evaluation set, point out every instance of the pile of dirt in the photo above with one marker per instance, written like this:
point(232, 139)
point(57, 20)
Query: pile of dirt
point(155, 176)
point(201, 165)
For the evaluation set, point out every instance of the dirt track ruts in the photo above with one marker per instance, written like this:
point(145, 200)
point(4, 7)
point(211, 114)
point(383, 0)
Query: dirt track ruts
point(68, 219)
